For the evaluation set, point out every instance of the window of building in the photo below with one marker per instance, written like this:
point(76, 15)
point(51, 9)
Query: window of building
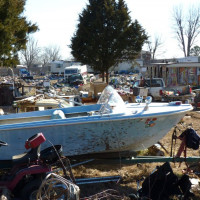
point(58, 65)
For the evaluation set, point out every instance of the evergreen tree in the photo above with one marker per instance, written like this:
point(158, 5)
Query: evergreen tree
point(195, 51)
point(14, 29)
point(106, 35)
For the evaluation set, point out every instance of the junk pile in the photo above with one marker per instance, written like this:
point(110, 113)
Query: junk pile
point(36, 97)
point(91, 92)
point(126, 94)
point(86, 93)
point(39, 102)
point(125, 87)
point(55, 186)
point(180, 93)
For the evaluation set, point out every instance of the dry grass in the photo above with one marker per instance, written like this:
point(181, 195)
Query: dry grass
point(131, 173)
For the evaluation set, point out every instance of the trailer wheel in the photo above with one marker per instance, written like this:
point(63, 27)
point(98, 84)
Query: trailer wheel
point(29, 191)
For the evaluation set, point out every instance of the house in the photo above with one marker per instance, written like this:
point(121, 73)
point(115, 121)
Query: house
point(177, 72)
point(138, 65)
point(187, 73)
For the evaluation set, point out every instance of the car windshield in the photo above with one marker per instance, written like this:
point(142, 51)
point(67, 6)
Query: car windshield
point(111, 101)
point(75, 77)
point(153, 83)
point(71, 71)
point(150, 83)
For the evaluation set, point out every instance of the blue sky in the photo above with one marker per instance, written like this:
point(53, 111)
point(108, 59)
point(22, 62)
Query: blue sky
point(57, 20)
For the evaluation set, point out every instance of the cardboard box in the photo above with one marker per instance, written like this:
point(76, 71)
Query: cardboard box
point(140, 91)
point(97, 87)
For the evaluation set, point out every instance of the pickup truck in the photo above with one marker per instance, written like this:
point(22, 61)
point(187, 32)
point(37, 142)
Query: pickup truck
point(159, 92)
point(155, 87)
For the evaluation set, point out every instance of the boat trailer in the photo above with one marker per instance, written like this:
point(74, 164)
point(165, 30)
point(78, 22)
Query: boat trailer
point(148, 159)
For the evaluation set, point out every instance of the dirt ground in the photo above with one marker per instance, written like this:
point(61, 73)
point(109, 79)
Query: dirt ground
point(131, 173)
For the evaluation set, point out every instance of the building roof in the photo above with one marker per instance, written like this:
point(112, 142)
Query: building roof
point(189, 64)
point(162, 63)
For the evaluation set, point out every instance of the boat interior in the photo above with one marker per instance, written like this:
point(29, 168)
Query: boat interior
point(52, 114)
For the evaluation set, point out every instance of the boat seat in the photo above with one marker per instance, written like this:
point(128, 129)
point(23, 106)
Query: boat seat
point(58, 114)
point(21, 159)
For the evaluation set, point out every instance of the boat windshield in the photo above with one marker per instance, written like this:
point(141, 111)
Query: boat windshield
point(111, 101)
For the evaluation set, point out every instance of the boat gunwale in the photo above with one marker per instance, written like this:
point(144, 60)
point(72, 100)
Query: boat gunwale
point(98, 118)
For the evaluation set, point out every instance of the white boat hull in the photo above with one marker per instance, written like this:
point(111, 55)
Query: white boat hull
point(109, 126)
point(102, 135)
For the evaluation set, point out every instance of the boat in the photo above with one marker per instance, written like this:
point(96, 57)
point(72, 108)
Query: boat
point(109, 126)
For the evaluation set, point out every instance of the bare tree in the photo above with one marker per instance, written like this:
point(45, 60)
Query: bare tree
point(30, 55)
point(186, 27)
point(49, 54)
point(154, 45)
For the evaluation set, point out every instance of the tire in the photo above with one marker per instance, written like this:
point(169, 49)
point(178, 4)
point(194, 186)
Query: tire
point(29, 191)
